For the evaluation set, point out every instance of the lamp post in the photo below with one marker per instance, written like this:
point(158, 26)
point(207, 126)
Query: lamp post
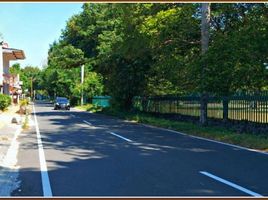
point(32, 94)
point(82, 81)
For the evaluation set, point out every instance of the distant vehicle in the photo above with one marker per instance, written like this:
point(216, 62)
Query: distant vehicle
point(61, 103)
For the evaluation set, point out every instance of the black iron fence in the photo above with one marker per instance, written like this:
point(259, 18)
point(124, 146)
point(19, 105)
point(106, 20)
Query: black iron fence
point(246, 107)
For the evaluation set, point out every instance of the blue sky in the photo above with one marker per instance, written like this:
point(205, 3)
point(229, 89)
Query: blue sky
point(33, 26)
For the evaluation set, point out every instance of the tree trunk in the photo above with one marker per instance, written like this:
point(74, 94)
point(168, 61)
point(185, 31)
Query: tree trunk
point(204, 47)
point(225, 109)
point(203, 109)
point(205, 27)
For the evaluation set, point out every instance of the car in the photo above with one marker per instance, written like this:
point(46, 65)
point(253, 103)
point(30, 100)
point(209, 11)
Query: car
point(62, 103)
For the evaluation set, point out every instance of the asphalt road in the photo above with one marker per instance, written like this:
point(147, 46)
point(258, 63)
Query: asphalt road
point(95, 155)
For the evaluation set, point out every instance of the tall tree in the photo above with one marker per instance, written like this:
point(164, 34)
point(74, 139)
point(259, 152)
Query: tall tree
point(205, 22)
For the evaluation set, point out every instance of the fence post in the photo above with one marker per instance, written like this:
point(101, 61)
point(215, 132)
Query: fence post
point(225, 108)
point(203, 108)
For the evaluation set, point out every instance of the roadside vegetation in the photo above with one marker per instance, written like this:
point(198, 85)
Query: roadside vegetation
point(5, 101)
point(150, 49)
point(25, 111)
point(90, 107)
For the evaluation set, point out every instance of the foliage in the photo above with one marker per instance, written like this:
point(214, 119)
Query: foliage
point(154, 49)
point(235, 60)
point(24, 102)
point(27, 74)
point(90, 107)
point(92, 86)
point(66, 56)
point(5, 101)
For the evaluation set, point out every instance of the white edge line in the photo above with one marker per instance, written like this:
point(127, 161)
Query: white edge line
point(128, 140)
point(10, 159)
point(231, 184)
point(43, 167)
point(210, 140)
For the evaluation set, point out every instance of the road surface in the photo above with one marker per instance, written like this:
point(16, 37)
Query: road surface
point(74, 153)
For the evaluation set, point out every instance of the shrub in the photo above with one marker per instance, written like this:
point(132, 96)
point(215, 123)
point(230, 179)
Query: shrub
point(23, 105)
point(5, 101)
point(24, 102)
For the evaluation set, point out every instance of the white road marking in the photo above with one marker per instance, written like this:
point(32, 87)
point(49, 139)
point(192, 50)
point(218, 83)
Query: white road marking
point(209, 140)
point(72, 115)
point(128, 140)
point(10, 158)
point(231, 184)
point(43, 166)
point(9, 172)
point(87, 122)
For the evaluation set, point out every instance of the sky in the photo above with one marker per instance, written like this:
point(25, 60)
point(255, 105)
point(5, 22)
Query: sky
point(32, 27)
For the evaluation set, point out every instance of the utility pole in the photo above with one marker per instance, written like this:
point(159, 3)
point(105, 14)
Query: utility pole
point(205, 9)
point(82, 81)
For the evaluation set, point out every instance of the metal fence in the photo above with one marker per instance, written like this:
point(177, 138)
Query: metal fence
point(246, 107)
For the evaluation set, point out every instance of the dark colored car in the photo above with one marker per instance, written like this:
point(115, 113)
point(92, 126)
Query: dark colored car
point(61, 103)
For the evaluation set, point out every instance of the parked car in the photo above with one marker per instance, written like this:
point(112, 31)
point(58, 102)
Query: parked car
point(62, 103)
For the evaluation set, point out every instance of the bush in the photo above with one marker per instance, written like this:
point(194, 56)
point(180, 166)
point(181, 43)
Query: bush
point(23, 105)
point(24, 102)
point(5, 101)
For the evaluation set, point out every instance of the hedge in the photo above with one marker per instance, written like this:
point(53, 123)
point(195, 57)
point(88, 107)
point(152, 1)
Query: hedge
point(5, 101)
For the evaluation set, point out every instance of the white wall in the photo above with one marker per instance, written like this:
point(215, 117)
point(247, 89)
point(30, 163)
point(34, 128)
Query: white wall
point(6, 65)
point(1, 66)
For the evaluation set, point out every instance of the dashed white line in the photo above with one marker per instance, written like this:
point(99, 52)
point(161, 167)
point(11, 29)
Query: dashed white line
point(47, 192)
point(112, 133)
point(231, 184)
point(209, 140)
point(87, 122)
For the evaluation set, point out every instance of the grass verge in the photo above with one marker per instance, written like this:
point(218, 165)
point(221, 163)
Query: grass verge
point(89, 108)
point(222, 134)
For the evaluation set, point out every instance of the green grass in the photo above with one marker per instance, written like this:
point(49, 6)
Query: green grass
point(216, 133)
point(89, 107)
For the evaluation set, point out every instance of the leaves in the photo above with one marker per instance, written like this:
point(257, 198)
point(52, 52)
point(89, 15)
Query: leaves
point(154, 49)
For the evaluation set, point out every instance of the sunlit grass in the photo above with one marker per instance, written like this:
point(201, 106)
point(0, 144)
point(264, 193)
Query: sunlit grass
point(90, 108)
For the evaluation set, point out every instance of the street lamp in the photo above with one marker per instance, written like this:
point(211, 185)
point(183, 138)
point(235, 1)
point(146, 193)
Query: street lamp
point(32, 79)
point(82, 81)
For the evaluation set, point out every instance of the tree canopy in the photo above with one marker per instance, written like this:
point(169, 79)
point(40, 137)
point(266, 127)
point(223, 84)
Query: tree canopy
point(155, 49)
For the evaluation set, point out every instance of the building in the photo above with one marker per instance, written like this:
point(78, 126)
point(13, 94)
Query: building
point(9, 84)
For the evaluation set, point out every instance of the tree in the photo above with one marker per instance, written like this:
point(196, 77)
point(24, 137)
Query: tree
point(91, 87)
point(157, 49)
point(66, 56)
point(204, 47)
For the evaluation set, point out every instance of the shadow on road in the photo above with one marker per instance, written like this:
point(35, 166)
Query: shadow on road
point(87, 161)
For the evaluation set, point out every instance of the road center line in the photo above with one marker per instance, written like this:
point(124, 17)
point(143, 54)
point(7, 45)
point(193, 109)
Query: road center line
point(231, 184)
point(43, 166)
point(128, 140)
